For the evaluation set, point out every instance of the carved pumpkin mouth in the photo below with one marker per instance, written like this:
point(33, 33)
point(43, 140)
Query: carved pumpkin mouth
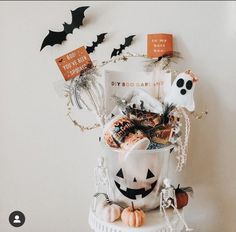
point(133, 193)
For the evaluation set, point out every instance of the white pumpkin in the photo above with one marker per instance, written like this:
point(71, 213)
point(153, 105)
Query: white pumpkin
point(108, 211)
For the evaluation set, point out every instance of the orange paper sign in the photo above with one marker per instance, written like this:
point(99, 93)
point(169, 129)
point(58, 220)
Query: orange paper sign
point(159, 45)
point(72, 63)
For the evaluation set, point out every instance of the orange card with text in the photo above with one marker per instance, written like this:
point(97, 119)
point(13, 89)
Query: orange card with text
point(72, 63)
point(159, 45)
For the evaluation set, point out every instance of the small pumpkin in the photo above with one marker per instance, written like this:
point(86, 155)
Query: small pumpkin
point(133, 217)
point(106, 210)
point(182, 196)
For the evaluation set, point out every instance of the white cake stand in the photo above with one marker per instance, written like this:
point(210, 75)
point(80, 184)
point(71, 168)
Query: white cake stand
point(154, 222)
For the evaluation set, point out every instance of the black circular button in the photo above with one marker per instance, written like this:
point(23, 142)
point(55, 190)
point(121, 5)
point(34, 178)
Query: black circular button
point(180, 83)
point(183, 91)
point(189, 85)
point(17, 218)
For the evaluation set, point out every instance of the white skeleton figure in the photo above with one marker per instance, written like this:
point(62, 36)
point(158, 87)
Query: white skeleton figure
point(102, 182)
point(168, 199)
point(101, 177)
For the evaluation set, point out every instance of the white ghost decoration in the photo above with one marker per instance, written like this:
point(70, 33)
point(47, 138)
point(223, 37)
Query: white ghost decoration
point(181, 91)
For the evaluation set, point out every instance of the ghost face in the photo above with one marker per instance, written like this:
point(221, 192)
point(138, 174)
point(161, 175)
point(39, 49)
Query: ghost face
point(184, 86)
point(181, 92)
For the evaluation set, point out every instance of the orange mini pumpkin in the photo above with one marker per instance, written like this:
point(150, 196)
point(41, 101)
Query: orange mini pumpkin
point(181, 195)
point(133, 217)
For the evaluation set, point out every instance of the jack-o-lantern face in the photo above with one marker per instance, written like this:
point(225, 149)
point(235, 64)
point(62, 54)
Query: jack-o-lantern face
point(133, 193)
point(138, 177)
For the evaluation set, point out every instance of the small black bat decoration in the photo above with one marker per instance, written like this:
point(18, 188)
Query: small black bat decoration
point(127, 43)
point(55, 37)
point(100, 39)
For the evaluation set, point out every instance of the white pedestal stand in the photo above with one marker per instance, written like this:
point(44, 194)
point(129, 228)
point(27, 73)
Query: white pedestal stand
point(154, 223)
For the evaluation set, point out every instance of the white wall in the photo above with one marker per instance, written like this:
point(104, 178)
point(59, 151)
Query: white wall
point(46, 164)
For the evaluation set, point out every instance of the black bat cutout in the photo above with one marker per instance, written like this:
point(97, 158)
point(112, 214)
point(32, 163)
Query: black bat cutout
point(128, 41)
point(55, 37)
point(100, 39)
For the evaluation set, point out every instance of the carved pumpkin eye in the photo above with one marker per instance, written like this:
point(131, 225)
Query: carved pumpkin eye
point(120, 173)
point(149, 174)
